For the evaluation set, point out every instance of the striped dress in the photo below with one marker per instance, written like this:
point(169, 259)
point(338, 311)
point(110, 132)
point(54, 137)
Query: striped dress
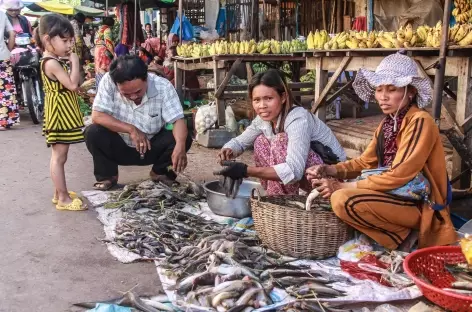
point(63, 121)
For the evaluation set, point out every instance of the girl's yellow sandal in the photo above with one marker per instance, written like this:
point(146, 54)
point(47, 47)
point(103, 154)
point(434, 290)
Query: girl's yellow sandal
point(75, 205)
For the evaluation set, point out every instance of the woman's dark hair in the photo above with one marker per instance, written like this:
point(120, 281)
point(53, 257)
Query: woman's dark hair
point(128, 68)
point(274, 79)
point(80, 17)
point(173, 49)
point(109, 21)
point(53, 25)
point(147, 24)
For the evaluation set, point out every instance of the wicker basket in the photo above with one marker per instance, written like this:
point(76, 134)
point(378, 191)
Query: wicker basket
point(296, 232)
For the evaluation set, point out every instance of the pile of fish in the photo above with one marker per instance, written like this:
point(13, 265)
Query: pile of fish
point(153, 224)
point(463, 275)
point(232, 272)
point(215, 267)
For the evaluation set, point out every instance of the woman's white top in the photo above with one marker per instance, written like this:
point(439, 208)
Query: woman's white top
point(302, 128)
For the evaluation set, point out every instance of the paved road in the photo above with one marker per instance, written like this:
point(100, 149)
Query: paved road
point(51, 259)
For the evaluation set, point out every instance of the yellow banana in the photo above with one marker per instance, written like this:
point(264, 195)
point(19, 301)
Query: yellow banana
point(467, 40)
point(408, 32)
point(385, 43)
point(310, 41)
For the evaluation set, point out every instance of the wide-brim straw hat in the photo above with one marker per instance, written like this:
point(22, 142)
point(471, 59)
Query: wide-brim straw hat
point(398, 70)
point(12, 4)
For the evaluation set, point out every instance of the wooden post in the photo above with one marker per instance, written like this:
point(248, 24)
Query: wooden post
point(320, 83)
point(277, 21)
point(339, 16)
point(463, 110)
point(370, 15)
point(178, 79)
point(255, 20)
point(220, 103)
point(181, 4)
point(334, 78)
point(323, 12)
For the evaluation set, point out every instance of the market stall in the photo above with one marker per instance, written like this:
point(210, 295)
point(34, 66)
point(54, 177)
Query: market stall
point(223, 67)
point(458, 64)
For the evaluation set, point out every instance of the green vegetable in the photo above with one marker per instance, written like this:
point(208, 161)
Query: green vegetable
point(84, 107)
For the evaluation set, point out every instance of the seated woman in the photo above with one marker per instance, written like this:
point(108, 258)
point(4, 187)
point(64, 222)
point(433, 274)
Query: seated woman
point(283, 136)
point(407, 142)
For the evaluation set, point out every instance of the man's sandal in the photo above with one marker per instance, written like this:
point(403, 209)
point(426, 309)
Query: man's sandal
point(72, 195)
point(105, 185)
point(75, 205)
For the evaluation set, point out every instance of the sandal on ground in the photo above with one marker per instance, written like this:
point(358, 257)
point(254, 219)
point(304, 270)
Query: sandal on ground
point(72, 195)
point(75, 205)
point(105, 185)
point(163, 179)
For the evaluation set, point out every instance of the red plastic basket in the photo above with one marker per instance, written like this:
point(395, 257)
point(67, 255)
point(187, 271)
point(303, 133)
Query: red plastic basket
point(430, 264)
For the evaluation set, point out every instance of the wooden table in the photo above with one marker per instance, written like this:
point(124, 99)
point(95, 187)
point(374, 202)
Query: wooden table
point(224, 66)
point(458, 64)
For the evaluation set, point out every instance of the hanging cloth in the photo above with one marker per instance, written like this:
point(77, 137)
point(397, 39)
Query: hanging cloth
point(128, 21)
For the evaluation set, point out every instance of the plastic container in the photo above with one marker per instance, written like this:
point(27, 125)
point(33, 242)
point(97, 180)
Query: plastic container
point(427, 269)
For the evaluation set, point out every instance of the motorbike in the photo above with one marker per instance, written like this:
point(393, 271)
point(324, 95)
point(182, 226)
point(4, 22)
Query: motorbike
point(25, 61)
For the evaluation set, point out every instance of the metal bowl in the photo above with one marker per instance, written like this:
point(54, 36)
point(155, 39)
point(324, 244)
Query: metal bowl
point(238, 207)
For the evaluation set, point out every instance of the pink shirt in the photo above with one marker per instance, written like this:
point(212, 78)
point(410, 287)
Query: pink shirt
point(17, 28)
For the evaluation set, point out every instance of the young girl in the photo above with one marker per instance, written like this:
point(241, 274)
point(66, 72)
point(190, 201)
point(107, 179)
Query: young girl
point(63, 121)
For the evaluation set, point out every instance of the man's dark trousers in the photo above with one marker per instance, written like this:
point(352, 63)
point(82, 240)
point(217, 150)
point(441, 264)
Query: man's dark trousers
point(109, 151)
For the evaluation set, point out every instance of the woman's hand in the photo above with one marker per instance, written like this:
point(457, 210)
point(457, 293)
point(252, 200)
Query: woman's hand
point(327, 187)
point(226, 154)
point(320, 171)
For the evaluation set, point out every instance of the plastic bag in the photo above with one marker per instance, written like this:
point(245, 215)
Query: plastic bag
point(205, 117)
point(355, 271)
point(210, 35)
point(187, 29)
point(231, 123)
point(355, 249)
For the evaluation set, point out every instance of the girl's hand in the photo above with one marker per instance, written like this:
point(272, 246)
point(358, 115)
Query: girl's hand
point(225, 154)
point(320, 171)
point(74, 59)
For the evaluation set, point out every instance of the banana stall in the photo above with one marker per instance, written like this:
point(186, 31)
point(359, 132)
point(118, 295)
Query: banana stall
point(346, 52)
point(223, 58)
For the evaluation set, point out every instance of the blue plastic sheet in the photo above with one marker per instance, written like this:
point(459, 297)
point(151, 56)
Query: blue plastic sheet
point(106, 307)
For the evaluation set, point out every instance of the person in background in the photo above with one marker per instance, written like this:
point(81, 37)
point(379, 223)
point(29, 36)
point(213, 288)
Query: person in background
point(121, 49)
point(20, 23)
point(167, 70)
point(63, 121)
point(9, 115)
point(145, 55)
point(286, 138)
point(89, 38)
point(148, 31)
point(104, 49)
point(78, 42)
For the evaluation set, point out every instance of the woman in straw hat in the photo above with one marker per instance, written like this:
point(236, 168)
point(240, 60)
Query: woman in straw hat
point(20, 23)
point(406, 145)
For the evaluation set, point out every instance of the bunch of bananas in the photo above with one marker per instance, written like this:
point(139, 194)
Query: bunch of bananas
point(461, 35)
point(429, 36)
point(462, 11)
point(317, 40)
point(263, 47)
point(193, 50)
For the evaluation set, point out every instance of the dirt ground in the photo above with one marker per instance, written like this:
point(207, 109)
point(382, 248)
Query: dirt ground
point(51, 259)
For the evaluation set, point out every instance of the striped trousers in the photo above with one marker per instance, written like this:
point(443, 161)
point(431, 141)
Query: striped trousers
point(385, 218)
